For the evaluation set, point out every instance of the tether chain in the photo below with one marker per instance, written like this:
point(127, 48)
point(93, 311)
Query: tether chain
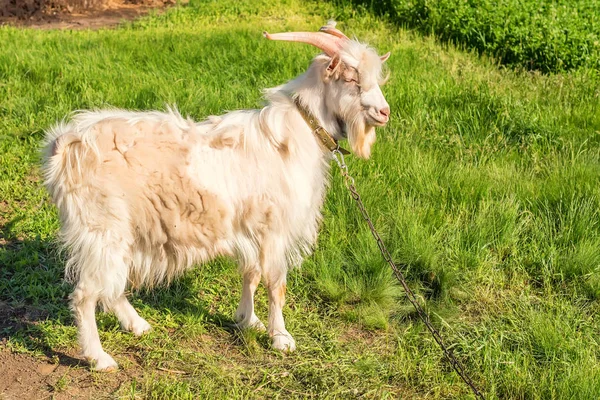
point(349, 182)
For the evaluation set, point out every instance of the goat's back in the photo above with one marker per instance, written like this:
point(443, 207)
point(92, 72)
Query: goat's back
point(127, 174)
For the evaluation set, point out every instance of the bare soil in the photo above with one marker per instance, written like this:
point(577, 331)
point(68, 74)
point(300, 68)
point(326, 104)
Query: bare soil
point(54, 375)
point(75, 14)
point(61, 376)
point(28, 377)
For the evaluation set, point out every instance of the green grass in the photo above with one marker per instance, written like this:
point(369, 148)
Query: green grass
point(545, 35)
point(484, 186)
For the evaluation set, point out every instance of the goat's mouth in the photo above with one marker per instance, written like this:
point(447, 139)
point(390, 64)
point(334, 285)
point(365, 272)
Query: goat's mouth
point(376, 120)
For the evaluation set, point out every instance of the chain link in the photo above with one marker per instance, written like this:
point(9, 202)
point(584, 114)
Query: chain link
point(458, 367)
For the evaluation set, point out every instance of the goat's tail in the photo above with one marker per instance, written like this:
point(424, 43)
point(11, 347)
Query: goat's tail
point(70, 163)
point(68, 159)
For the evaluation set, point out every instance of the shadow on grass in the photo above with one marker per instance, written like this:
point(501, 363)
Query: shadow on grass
point(34, 298)
point(181, 297)
point(32, 292)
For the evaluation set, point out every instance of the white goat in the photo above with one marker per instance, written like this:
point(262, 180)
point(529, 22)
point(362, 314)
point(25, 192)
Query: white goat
point(143, 196)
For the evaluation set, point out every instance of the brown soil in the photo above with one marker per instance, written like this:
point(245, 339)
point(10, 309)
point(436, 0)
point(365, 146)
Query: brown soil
point(54, 375)
point(61, 377)
point(75, 14)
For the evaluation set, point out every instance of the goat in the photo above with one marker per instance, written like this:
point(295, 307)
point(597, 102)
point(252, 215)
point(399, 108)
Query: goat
point(144, 196)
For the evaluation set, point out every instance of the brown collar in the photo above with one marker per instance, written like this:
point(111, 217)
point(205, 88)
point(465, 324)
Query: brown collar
point(321, 133)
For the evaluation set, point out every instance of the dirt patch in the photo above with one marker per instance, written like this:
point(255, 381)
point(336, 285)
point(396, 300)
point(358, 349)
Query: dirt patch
point(75, 14)
point(18, 317)
point(25, 377)
point(56, 373)
point(60, 377)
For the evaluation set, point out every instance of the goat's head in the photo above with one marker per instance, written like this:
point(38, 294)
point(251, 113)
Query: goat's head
point(351, 77)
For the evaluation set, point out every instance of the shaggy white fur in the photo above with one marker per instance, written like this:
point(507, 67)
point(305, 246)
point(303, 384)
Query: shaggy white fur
point(143, 196)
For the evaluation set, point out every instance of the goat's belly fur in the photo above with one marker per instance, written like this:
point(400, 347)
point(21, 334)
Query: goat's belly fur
point(161, 193)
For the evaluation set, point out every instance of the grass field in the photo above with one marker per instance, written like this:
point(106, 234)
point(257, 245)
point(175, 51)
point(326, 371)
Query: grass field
point(484, 186)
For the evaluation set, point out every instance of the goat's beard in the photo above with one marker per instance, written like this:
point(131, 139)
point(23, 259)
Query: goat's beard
point(360, 136)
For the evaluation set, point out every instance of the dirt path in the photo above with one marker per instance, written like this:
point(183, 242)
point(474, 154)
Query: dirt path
point(115, 12)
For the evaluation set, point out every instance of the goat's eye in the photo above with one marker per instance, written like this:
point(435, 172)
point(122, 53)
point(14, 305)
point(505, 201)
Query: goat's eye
point(351, 76)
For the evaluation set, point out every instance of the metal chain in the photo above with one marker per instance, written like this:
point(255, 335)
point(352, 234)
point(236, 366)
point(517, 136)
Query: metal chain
point(458, 367)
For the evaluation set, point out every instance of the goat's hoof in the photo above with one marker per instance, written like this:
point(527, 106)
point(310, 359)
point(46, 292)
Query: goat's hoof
point(252, 322)
point(283, 341)
point(257, 324)
point(140, 327)
point(104, 363)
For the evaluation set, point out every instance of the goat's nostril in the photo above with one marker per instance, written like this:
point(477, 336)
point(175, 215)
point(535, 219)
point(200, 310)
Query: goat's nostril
point(385, 111)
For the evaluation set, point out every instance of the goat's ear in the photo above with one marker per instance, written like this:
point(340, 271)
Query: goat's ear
point(385, 57)
point(333, 65)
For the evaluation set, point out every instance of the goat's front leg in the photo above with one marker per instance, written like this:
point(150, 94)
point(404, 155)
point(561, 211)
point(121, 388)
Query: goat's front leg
point(282, 340)
point(274, 264)
point(245, 316)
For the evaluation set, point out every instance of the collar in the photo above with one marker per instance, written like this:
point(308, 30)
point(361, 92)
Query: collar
point(321, 133)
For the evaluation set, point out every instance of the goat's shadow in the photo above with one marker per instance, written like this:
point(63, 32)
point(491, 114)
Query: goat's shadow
point(33, 292)
point(180, 297)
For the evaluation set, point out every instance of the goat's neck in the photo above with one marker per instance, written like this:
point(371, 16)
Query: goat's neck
point(316, 105)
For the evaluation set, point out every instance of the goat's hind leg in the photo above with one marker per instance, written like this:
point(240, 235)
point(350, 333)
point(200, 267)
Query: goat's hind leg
point(102, 278)
point(128, 317)
point(83, 303)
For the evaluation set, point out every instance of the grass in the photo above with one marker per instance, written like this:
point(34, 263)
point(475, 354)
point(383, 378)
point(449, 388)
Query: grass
point(483, 185)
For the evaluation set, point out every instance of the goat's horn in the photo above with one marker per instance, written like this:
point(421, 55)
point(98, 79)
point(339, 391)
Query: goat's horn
point(333, 31)
point(330, 45)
